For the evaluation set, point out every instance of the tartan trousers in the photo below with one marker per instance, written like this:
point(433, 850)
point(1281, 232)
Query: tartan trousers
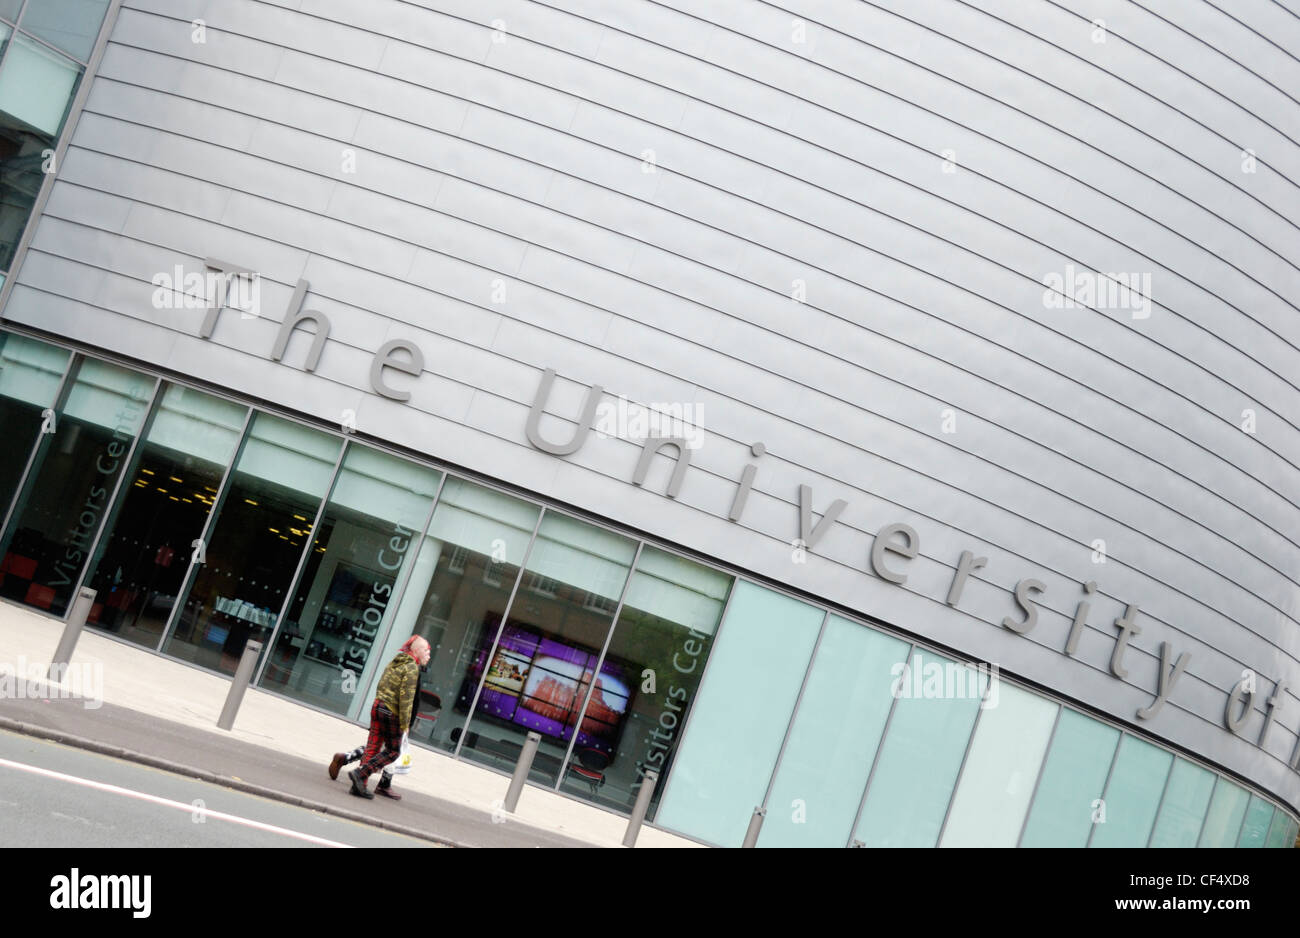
point(384, 743)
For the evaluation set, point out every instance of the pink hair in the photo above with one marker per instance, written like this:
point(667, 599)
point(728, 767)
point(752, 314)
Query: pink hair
point(407, 645)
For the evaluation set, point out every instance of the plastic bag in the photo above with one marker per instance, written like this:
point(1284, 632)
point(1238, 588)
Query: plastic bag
point(403, 764)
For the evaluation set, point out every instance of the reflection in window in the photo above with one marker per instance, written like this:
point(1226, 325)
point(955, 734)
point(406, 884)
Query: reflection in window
point(545, 662)
point(323, 650)
point(1278, 833)
point(457, 594)
point(261, 528)
point(661, 643)
point(30, 373)
point(1255, 827)
point(165, 502)
point(69, 489)
point(1183, 808)
point(70, 25)
point(1223, 820)
point(36, 87)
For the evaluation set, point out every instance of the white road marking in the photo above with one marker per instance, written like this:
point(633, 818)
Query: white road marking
point(168, 803)
point(70, 817)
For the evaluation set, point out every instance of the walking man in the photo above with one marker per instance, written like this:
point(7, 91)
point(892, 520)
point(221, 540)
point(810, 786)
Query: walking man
point(385, 786)
point(390, 714)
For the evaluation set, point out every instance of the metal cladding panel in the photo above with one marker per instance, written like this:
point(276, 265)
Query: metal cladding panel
point(831, 227)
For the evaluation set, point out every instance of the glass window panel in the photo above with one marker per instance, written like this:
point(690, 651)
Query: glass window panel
point(908, 795)
point(537, 678)
point(662, 641)
point(70, 25)
point(1072, 782)
point(30, 373)
point(1223, 820)
point(9, 10)
point(375, 515)
point(67, 494)
point(24, 151)
point(456, 597)
point(1277, 833)
point(1255, 827)
point(171, 487)
point(834, 738)
point(36, 86)
point(988, 809)
point(1133, 794)
point(262, 527)
point(1182, 811)
point(726, 760)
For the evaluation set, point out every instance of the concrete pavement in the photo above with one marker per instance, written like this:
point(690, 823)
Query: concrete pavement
point(164, 713)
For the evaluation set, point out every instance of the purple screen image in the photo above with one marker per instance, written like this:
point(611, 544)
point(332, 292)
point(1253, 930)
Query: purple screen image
point(508, 671)
point(539, 683)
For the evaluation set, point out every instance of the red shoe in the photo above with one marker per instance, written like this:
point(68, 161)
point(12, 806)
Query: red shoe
point(388, 793)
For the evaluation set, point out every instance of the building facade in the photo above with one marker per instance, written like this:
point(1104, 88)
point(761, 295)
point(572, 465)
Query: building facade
point(878, 416)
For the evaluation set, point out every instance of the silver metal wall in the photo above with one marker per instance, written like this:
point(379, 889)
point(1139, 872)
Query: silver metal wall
point(631, 192)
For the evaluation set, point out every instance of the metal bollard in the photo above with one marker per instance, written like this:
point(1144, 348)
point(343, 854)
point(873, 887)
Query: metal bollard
point(522, 768)
point(71, 632)
point(755, 825)
point(235, 696)
point(641, 806)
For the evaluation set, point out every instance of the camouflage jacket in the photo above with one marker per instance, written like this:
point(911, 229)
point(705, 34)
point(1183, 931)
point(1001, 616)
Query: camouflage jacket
point(397, 687)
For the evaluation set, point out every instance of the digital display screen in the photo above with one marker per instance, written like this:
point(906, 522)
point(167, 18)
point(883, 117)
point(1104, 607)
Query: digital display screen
point(540, 682)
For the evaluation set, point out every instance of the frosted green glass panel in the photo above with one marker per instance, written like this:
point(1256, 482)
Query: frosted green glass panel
point(197, 424)
point(36, 85)
point(834, 739)
point(1133, 794)
point(1182, 812)
point(1223, 820)
point(1073, 779)
point(730, 748)
point(922, 753)
point(1277, 833)
point(70, 25)
point(997, 781)
point(30, 373)
point(289, 455)
point(1255, 828)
